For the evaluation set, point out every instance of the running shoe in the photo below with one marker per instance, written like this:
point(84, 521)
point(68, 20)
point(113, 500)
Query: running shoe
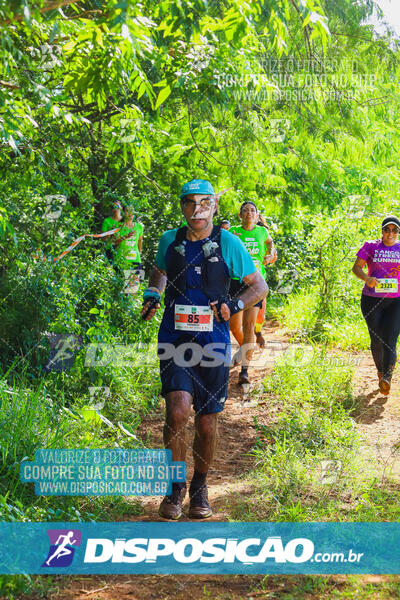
point(384, 382)
point(199, 506)
point(384, 387)
point(171, 506)
point(260, 340)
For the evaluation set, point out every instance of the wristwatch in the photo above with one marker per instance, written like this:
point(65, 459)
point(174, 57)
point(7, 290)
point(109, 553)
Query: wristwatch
point(235, 306)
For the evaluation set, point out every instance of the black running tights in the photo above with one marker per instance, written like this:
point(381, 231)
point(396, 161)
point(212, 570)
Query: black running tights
point(382, 316)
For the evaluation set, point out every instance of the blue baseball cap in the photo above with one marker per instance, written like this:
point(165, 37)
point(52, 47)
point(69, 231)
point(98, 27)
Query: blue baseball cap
point(197, 186)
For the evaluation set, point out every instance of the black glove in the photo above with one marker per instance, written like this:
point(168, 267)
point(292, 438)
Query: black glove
point(234, 306)
point(152, 304)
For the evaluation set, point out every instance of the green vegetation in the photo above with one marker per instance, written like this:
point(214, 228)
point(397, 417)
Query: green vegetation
point(325, 306)
point(308, 465)
point(290, 103)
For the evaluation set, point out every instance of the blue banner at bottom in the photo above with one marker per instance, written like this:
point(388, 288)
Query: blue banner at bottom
point(210, 548)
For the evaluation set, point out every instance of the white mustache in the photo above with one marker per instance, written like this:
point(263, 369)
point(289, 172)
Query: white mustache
point(200, 216)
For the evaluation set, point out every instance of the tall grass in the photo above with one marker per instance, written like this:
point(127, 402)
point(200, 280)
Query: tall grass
point(307, 463)
point(299, 317)
point(28, 421)
point(31, 419)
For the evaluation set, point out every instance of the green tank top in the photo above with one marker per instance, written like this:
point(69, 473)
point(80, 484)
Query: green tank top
point(254, 241)
point(128, 250)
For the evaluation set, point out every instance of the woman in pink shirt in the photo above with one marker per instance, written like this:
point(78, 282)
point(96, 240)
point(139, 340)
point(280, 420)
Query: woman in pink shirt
point(380, 300)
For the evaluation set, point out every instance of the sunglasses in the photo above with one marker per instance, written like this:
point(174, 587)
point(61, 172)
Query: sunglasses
point(204, 203)
point(388, 229)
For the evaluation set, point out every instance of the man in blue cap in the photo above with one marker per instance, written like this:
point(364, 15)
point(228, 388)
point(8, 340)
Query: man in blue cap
point(194, 264)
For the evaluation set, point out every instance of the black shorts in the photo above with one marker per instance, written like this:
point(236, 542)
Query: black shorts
point(207, 385)
point(237, 288)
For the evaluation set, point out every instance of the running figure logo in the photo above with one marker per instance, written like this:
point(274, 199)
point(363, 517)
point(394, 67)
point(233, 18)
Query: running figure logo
point(62, 547)
point(63, 348)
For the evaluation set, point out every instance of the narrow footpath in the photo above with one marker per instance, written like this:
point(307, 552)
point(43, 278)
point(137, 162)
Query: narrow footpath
point(376, 419)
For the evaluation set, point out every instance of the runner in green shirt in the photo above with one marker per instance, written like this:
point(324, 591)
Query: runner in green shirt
point(254, 240)
point(111, 223)
point(129, 240)
point(128, 245)
point(259, 243)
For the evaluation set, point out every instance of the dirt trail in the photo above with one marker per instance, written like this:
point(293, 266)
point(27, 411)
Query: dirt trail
point(236, 437)
point(376, 420)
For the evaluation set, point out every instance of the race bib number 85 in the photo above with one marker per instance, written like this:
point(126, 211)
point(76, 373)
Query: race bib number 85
point(193, 318)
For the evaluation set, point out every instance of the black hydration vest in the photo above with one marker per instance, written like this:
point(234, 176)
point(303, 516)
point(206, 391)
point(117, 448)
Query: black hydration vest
point(215, 279)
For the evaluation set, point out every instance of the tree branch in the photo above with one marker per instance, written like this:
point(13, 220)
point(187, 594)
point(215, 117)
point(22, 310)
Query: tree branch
point(86, 13)
point(203, 152)
point(305, 29)
point(354, 37)
point(8, 84)
point(147, 178)
point(43, 9)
